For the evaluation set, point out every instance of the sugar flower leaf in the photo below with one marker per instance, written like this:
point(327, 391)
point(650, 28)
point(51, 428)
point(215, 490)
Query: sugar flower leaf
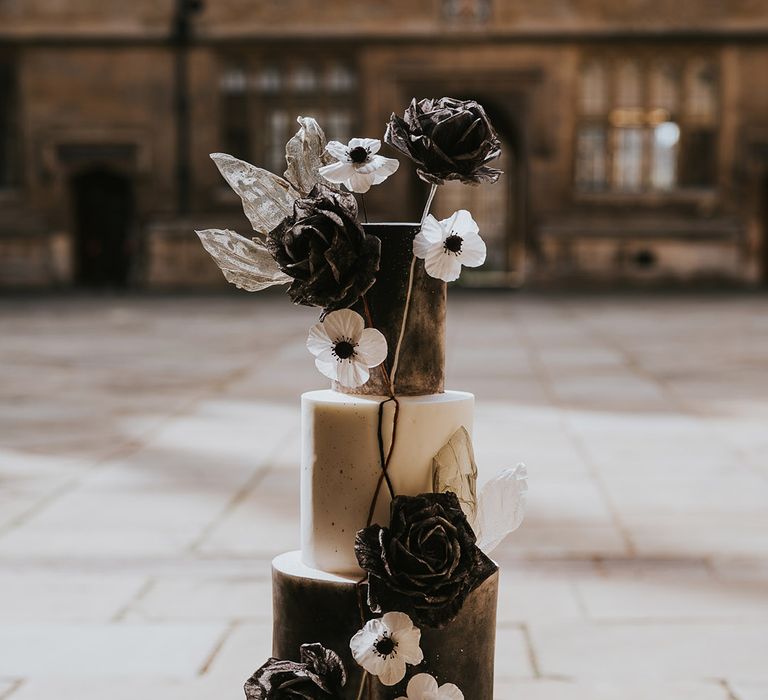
point(305, 154)
point(245, 263)
point(267, 198)
point(501, 507)
point(424, 687)
point(385, 645)
point(447, 245)
point(454, 469)
point(358, 165)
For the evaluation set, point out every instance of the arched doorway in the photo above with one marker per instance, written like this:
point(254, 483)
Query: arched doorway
point(103, 207)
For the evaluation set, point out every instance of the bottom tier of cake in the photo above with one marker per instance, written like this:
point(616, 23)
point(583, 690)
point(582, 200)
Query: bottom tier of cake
point(315, 606)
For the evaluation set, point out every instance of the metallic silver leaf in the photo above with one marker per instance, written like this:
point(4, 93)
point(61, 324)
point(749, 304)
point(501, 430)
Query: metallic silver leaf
point(501, 507)
point(245, 263)
point(267, 198)
point(305, 154)
point(454, 469)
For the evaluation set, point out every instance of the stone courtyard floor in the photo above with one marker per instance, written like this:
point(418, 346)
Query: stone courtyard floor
point(148, 473)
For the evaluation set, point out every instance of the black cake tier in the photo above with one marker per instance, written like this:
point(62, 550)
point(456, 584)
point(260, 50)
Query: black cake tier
point(422, 361)
point(312, 606)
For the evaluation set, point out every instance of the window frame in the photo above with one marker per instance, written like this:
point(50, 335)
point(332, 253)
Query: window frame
point(648, 59)
point(258, 105)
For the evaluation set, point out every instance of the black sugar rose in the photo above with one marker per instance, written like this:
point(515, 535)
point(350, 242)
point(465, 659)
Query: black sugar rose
point(319, 675)
point(324, 249)
point(448, 139)
point(426, 563)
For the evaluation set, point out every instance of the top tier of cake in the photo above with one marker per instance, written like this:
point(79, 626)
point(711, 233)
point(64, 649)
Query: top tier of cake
point(421, 366)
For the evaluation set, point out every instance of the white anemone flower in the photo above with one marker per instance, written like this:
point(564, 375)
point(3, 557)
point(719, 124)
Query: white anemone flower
point(345, 349)
point(385, 645)
point(424, 687)
point(448, 244)
point(357, 164)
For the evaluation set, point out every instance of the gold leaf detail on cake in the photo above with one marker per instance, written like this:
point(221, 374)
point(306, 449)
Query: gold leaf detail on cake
point(454, 469)
point(267, 198)
point(245, 263)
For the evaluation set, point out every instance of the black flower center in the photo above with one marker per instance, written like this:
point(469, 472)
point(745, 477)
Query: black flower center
point(343, 349)
point(385, 646)
point(358, 154)
point(453, 244)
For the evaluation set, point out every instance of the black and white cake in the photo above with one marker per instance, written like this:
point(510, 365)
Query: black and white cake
point(393, 594)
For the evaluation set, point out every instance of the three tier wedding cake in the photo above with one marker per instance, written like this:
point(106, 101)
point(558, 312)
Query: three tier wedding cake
point(392, 595)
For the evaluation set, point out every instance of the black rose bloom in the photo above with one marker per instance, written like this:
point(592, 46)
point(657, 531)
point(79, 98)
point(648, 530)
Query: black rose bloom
point(426, 563)
point(319, 675)
point(448, 139)
point(324, 249)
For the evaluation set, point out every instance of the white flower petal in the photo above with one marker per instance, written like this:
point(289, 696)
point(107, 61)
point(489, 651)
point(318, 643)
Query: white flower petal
point(344, 323)
point(397, 621)
point(408, 646)
point(329, 369)
point(372, 347)
point(337, 150)
point(433, 230)
point(423, 247)
point(442, 266)
point(318, 340)
point(449, 691)
point(447, 225)
point(337, 172)
point(378, 165)
point(392, 672)
point(362, 640)
point(421, 686)
point(359, 182)
point(472, 250)
point(387, 168)
point(370, 145)
point(463, 223)
point(352, 373)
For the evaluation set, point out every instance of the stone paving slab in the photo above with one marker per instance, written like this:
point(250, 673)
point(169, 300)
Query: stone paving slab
point(750, 691)
point(642, 690)
point(116, 650)
point(43, 597)
point(671, 651)
point(204, 600)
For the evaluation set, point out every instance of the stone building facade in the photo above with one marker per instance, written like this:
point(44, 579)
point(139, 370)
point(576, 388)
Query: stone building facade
point(635, 133)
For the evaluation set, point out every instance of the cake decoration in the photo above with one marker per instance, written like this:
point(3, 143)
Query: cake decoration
point(324, 249)
point(358, 165)
point(447, 139)
point(320, 675)
point(394, 576)
point(426, 562)
point(424, 687)
point(446, 245)
point(345, 349)
point(385, 645)
point(454, 470)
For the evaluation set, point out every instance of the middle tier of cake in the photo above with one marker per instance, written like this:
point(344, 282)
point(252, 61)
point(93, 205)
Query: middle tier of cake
point(341, 463)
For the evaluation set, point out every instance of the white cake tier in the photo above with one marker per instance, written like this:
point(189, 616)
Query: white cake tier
point(340, 464)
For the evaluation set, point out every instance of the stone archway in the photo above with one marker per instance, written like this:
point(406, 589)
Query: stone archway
point(104, 217)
